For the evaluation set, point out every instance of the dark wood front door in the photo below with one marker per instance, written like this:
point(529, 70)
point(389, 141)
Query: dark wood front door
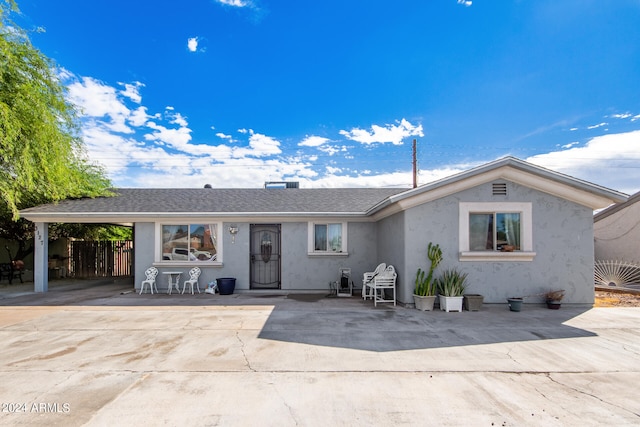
point(265, 256)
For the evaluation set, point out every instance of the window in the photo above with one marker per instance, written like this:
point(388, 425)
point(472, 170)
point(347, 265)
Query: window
point(495, 231)
point(190, 242)
point(327, 238)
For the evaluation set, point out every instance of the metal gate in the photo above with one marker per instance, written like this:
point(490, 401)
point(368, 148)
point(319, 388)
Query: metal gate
point(265, 256)
point(89, 259)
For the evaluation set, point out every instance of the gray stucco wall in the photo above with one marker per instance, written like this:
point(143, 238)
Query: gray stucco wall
point(143, 246)
point(299, 271)
point(303, 272)
point(562, 240)
point(617, 236)
point(236, 256)
point(392, 251)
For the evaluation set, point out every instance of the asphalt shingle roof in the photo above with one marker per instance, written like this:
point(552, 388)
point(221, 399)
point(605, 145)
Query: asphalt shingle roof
point(213, 200)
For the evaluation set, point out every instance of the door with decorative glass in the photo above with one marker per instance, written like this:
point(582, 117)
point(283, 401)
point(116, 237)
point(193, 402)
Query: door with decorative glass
point(265, 256)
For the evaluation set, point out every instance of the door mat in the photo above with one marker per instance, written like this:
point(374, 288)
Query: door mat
point(306, 297)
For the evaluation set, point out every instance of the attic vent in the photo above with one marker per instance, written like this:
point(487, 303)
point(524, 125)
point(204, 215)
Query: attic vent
point(500, 189)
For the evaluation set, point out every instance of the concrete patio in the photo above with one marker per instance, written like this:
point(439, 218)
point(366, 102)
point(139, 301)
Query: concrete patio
point(98, 354)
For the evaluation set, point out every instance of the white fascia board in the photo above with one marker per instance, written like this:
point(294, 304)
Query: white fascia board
point(129, 217)
point(575, 191)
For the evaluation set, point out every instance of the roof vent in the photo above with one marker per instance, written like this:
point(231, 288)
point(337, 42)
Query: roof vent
point(500, 189)
point(281, 184)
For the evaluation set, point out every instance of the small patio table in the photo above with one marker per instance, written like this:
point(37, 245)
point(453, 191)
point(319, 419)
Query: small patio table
point(174, 278)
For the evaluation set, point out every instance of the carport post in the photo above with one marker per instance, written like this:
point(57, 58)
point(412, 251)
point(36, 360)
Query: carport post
point(41, 258)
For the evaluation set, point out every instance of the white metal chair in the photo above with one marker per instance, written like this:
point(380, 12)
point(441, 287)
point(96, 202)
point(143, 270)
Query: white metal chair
point(367, 281)
point(194, 274)
point(382, 282)
point(150, 281)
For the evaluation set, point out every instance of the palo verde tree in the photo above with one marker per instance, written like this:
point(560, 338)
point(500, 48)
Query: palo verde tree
point(42, 157)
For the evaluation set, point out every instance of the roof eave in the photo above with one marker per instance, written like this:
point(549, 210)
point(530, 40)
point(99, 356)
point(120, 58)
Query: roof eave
point(129, 217)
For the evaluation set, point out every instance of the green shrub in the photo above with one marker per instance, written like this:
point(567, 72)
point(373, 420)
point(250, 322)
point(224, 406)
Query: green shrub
point(452, 283)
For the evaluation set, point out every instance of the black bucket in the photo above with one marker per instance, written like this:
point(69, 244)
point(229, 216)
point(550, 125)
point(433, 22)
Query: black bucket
point(226, 285)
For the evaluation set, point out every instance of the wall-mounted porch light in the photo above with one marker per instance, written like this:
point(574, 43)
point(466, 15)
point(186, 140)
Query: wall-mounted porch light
point(233, 230)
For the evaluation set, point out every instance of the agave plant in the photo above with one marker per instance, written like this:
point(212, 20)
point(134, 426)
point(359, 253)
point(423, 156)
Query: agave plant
point(452, 283)
point(425, 285)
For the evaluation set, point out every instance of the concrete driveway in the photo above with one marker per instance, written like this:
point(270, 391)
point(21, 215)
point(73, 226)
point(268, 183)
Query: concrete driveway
point(100, 355)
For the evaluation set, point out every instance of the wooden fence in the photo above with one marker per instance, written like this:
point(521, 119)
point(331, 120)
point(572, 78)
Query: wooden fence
point(91, 259)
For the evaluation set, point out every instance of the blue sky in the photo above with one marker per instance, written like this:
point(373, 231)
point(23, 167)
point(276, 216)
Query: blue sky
point(331, 93)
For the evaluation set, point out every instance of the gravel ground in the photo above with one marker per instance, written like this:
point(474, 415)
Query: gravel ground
point(619, 298)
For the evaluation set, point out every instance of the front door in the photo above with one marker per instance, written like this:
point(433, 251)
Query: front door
point(265, 256)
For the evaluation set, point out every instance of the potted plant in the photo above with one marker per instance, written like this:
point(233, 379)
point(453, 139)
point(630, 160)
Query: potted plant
point(473, 302)
point(553, 299)
point(424, 295)
point(451, 287)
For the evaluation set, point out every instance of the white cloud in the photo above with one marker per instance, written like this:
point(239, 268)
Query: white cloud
point(98, 100)
point(196, 44)
point(313, 141)
point(621, 116)
point(176, 138)
point(234, 3)
point(263, 145)
point(466, 3)
point(179, 120)
point(192, 44)
point(569, 145)
point(610, 160)
point(138, 117)
point(132, 91)
point(332, 150)
point(155, 149)
point(599, 125)
point(389, 133)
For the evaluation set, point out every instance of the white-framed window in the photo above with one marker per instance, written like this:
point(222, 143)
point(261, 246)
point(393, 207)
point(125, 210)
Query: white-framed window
point(189, 242)
point(327, 238)
point(496, 231)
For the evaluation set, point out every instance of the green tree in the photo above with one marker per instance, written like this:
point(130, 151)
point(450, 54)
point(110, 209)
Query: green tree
point(42, 157)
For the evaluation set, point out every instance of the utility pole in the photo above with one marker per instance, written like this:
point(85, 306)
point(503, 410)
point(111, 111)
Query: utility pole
point(415, 164)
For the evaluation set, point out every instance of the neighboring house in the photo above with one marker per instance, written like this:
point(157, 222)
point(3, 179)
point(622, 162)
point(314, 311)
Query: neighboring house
point(617, 232)
point(298, 239)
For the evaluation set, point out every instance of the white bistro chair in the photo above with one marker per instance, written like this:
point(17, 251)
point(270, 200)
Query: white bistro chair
point(194, 274)
point(150, 281)
point(382, 282)
point(367, 281)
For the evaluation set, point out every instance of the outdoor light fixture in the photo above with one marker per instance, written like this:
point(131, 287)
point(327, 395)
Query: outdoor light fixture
point(233, 230)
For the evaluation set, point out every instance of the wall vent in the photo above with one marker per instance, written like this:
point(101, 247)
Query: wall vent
point(500, 189)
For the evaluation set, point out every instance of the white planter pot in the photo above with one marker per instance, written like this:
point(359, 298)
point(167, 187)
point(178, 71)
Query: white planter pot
point(424, 303)
point(451, 303)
